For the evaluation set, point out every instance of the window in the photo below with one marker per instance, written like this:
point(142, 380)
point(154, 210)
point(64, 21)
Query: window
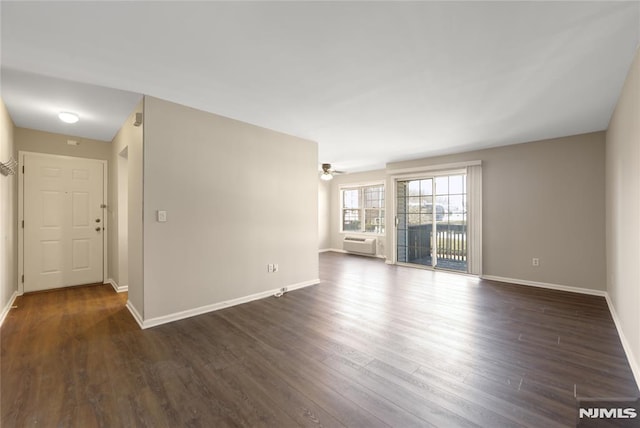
point(363, 209)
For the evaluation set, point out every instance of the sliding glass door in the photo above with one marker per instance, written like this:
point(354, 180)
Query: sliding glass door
point(431, 222)
point(414, 208)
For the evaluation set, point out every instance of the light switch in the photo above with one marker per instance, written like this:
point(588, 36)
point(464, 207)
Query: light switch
point(162, 216)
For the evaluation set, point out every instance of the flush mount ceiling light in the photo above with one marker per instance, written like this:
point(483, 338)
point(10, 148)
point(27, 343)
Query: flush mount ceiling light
point(68, 117)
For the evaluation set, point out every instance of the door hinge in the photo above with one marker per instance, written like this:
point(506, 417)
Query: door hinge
point(23, 279)
point(23, 169)
point(23, 224)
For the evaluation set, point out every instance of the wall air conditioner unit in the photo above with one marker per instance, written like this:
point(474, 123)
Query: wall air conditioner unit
point(357, 245)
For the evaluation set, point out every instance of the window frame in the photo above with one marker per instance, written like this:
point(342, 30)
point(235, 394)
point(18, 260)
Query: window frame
point(360, 187)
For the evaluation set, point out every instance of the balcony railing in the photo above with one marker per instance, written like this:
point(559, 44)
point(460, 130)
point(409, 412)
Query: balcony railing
point(451, 245)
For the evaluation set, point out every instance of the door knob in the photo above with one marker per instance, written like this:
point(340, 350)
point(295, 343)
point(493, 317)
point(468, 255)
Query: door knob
point(97, 220)
point(98, 229)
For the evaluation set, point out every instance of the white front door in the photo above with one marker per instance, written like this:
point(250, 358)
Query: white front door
point(63, 221)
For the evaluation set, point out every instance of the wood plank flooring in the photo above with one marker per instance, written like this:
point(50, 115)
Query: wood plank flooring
point(371, 346)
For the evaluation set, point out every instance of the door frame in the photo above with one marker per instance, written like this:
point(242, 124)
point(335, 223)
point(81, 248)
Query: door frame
point(425, 175)
point(105, 235)
point(393, 176)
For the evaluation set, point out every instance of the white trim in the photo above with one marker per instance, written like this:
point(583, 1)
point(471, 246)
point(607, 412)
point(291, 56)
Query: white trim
point(392, 227)
point(105, 216)
point(105, 221)
point(635, 368)
point(474, 220)
point(134, 312)
point(633, 363)
point(360, 186)
point(300, 285)
point(324, 250)
point(152, 322)
point(432, 168)
point(7, 308)
point(474, 217)
point(116, 287)
point(20, 219)
point(421, 175)
point(547, 285)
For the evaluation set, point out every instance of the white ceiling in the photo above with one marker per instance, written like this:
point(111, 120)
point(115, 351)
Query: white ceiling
point(34, 101)
point(371, 82)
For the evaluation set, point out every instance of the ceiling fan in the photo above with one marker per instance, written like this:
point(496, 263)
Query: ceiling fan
point(328, 172)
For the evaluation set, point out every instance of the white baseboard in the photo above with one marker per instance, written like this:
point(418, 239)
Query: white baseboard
point(546, 285)
point(134, 312)
point(300, 285)
point(633, 362)
point(7, 308)
point(324, 250)
point(116, 287)
point(152, 322)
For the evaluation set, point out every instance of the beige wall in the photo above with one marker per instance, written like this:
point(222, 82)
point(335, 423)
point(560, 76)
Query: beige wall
point(237, 198)
point(129, 137)
point(623, 211)
point(30, 140)
point(8, 214)
point(542, 199)
point(136, 219)
point(324, 219)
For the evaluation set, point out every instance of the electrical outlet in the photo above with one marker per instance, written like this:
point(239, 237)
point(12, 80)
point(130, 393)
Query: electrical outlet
point(269, 268)
point(275, 267)
point(535, 262)
point(283, 290)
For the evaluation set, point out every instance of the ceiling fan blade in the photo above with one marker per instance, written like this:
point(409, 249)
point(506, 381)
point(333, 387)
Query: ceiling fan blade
point(326, 169)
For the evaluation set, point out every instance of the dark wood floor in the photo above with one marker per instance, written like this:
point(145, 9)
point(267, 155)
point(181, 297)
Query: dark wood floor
point(371, 346)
